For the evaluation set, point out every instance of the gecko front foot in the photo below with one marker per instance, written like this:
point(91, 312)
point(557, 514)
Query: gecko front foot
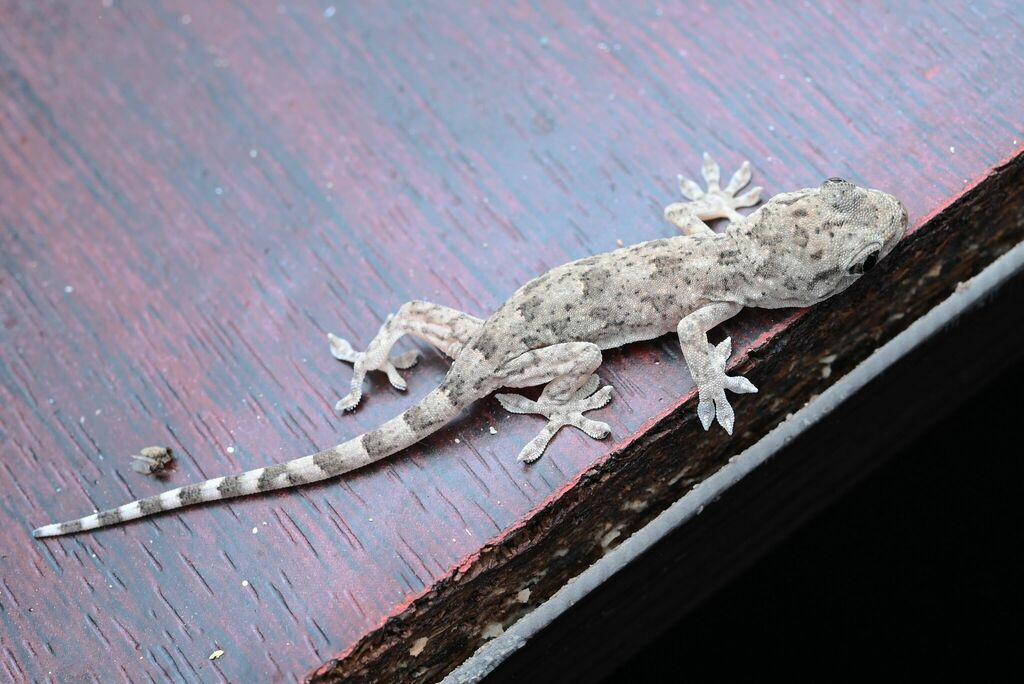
point(715, 202)
point(363, 362)
point(711, 390)
point(560, 414)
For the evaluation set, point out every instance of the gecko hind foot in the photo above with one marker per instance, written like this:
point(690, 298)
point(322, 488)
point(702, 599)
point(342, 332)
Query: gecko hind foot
point(447, 329)
point(342, 350)
point(715, 202)
point(560, 414)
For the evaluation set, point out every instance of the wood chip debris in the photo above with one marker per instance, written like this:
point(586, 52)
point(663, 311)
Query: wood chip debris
point(152, 460)
point(216, 654)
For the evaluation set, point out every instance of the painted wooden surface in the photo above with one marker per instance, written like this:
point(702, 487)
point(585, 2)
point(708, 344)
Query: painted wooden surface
point(192, 195)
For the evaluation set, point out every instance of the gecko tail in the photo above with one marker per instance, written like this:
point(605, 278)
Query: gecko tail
point(430, 414)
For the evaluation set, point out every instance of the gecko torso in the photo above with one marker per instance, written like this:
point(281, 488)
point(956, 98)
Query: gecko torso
point(799, 248)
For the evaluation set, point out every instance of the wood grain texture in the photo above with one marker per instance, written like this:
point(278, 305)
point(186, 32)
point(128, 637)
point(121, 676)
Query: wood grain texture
point(193, 194)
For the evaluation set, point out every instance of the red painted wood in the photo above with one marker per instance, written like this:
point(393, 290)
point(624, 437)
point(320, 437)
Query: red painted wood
point(192, 195)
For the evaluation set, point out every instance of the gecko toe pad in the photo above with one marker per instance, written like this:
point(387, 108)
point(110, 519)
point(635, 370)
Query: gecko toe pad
point(717, 202)
point(560, 415)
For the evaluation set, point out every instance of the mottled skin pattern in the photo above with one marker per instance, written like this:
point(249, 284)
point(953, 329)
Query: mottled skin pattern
point(799, 248)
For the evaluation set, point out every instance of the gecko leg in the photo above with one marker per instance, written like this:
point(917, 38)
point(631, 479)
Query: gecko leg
point(707, 364)
point(445, 328)
point(568, 369)
point(713, 203)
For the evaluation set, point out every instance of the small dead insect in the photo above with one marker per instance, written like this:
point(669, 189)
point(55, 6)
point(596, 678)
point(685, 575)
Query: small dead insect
point(152, 460)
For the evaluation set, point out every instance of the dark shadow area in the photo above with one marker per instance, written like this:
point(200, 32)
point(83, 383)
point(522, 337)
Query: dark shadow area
point(915, 568)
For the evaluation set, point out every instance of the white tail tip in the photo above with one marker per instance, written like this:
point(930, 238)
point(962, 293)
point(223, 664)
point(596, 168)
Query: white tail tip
point(46, 531)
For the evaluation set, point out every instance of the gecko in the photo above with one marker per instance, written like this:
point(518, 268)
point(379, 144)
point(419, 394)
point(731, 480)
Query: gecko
point(795, 250)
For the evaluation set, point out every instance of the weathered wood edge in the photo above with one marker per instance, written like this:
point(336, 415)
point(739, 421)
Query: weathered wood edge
point(631, 486)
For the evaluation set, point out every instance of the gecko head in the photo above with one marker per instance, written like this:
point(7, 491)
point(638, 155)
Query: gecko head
point(816, 242)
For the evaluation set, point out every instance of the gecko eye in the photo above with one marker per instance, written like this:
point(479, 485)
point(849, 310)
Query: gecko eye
point(835, 179)
point(865, 264)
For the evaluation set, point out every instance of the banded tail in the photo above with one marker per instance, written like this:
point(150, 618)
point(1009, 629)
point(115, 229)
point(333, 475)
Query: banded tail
point(432, 413)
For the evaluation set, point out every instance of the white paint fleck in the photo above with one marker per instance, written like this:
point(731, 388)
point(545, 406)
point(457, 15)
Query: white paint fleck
point(418, 646)
point(245, 583)
point(219, 190)
point(952, 150)
point(493, 629)
point(678, 476)
point(255, 530)
point(611, 536)
point(329, 12)
point(231, 449)
point(492, 430)
point(253, 153)
point(68, 289)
